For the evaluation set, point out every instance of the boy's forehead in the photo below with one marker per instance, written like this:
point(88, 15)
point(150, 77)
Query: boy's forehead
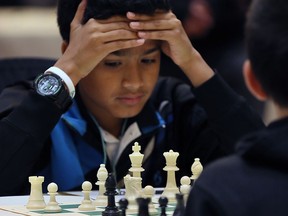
point(149, 47)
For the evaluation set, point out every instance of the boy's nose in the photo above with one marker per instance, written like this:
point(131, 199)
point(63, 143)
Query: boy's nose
point(133, 79)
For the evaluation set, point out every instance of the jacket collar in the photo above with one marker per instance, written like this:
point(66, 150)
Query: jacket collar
point(148, 120)
point(268, 146)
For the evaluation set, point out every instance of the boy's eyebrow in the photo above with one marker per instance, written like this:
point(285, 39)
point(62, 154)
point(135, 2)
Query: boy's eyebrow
point(123, 52)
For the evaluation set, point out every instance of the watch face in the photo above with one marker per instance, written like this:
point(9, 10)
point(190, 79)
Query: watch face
point(48, 85)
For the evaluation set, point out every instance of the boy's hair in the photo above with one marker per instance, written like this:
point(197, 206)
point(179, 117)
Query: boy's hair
point(267, 46)
point(104, 9)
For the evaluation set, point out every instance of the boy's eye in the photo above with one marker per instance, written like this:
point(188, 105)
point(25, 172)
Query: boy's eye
point(112, 64)
point(148, 61)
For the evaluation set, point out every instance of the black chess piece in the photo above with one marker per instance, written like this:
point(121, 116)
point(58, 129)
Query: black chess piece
point(143, 206)
point(123, 204)
point(111, 209)
point(180, 206)
point(163, 201)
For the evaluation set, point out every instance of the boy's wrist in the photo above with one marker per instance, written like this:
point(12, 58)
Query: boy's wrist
point(197, 70)
point(66, 79)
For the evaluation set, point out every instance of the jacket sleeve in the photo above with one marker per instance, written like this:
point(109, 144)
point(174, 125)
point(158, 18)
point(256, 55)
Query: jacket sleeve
point(26, 122)
point(229, 115)
point(209, 125)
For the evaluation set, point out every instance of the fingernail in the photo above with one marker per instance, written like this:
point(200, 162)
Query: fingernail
point(134, 24)
point(141, 41)
point(130, 14)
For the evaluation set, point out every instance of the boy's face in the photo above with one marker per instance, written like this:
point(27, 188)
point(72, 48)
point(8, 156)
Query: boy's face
point(120, 85)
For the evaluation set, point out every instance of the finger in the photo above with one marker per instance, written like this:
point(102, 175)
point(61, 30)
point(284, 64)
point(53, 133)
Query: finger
point(153, 25)
point(123, 44)
point(79, 13)
point(158, 35)
point(156, 15)
point(159, 21)
point(106, 27)
point(118, 35)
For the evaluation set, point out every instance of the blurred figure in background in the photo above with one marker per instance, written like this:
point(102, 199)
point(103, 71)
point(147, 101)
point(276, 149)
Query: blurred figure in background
point(28, 2)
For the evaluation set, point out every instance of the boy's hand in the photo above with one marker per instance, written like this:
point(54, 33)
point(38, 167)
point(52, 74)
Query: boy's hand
point(166, 27)
point(91, 42)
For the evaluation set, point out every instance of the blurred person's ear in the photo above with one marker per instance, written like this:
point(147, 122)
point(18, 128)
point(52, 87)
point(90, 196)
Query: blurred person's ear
point(252, 83)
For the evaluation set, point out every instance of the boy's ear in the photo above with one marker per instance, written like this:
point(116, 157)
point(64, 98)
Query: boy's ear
point(64, 46)
point(252, 83)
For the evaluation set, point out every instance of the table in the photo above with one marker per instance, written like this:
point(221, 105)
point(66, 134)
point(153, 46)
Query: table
point(29, 32)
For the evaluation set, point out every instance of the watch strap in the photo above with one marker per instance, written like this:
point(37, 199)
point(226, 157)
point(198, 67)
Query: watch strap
point(66, 79)
point(63, 100)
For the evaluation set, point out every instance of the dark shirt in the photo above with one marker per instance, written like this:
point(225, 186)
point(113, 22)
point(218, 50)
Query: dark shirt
point(253, 181)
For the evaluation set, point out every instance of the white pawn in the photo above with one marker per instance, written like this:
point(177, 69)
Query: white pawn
point(86, 204)
point(148, 192)
point(52, 205)
point(102, 174)
point(196, 169)
point(185, 187)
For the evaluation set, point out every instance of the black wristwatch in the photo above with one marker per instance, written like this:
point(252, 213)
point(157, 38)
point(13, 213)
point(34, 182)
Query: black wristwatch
point(51, 86)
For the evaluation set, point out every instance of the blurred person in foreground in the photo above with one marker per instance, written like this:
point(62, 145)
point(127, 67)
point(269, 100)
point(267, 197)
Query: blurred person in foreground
point(254, 181)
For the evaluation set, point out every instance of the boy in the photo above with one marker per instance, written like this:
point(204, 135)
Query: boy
point(254, 181)
point(111, 53)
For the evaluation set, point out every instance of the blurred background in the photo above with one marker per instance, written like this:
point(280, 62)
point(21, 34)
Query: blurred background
point(29, 28)
point(215, 28)
point(45, 3)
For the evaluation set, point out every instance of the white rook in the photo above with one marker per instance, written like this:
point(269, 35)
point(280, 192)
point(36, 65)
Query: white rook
point(36, 199)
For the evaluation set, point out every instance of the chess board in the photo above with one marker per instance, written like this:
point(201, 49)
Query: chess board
point(72, 209)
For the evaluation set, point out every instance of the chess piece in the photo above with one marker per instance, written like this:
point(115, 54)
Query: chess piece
point(185, 187)
point(143, 203)
point(171, 188)
point(133, 191)
point(86, 204)
point(180, 208)
point(36, 199)
point(163, 201)
point(148, 192)
point(52, 205)
point(101, 199)
point(123, 204)
point(196, 169)
point(111, 209)
point(136, 159)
